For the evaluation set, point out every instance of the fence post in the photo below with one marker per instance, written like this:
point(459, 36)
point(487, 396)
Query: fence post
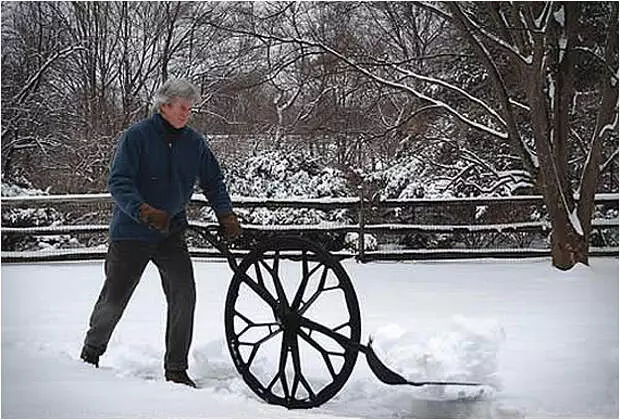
point(361, 221)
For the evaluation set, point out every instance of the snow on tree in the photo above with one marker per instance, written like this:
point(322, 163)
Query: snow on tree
point(545, 53)
point(531, 54)
point(276, 174)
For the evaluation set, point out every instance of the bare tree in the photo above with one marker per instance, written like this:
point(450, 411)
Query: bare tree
point(543, 41)
point(32, 50)
point(529, 52)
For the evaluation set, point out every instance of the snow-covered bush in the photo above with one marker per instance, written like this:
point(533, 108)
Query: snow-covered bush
point(428, 241)
point(32, 217)
point(273, 174)
point(411, 178)
point(45, 216)
point(604, 237)
point(405, 179)
point(278, 175)
point(19, 187)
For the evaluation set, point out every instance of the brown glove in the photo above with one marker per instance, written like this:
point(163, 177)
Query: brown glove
point(154, 218)
point(231, 229)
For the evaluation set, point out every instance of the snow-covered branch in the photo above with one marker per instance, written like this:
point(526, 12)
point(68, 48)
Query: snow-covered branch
point(454, 88)
point(609, 160)
point(401, 86)
point(311, 106)
point(510, 48)
point(519, 105)
point(378, 79)
point(33, 80)
point(610, 70)
point(540, 22)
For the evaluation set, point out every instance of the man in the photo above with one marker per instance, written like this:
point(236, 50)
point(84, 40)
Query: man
point(151, 180)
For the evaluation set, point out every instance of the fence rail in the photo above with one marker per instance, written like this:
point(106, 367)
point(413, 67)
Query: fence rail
point(317, 203)
point(362, 228)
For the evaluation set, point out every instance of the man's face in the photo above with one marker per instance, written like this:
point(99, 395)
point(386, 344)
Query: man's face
point(178, 112)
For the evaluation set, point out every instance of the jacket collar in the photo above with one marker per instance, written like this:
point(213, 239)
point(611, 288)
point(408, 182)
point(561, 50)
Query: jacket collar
point(165, 129)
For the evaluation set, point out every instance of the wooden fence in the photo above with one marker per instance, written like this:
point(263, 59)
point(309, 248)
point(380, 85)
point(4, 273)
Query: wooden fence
point(365, 212)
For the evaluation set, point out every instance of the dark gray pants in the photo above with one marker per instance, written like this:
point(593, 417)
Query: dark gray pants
point(124, 264)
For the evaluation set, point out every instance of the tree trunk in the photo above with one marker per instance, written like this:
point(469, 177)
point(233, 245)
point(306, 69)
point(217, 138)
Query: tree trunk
point(550, 90)
point(605, 121)
point(567, 246)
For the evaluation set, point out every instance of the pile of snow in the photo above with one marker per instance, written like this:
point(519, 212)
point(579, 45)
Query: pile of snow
point(467, 352)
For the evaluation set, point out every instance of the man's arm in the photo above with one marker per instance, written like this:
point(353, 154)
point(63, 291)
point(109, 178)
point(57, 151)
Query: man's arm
point(212, 184)
point(212, 181)
point(123, 177)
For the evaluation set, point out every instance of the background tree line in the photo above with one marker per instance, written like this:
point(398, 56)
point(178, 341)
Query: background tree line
point(481, 98)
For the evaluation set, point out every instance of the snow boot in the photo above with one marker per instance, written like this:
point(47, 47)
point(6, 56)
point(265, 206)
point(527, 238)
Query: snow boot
point(180, 377)
point(90, 356)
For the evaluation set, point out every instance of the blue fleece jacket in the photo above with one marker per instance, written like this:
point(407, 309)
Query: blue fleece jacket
point(159, 165)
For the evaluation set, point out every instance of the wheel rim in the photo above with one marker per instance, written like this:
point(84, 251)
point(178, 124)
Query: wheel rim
point(288, 310)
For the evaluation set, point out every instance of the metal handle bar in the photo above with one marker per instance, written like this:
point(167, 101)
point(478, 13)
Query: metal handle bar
point(220, 245)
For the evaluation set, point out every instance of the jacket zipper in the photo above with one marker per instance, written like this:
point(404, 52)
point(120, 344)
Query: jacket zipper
point(169, 162)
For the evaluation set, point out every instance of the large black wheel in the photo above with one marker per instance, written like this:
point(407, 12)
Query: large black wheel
point(292, 323)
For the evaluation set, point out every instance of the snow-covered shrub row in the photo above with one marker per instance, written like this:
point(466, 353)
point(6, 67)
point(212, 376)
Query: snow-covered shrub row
point(604, 237)
point(32, 217)
point(45, 216)
point(274, 174)
point(407, 178)
point(18, 188)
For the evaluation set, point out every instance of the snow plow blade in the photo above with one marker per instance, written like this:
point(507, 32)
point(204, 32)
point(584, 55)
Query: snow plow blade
point(388, 376)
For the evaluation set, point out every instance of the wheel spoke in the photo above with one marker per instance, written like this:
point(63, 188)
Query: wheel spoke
point(324, 353)
point(308, 388)
point(344, 341)
point(262, 292)
point(299, 376)
point(315, 295)
point(341, 326)
point(275, 277)
point(273, 382)
point(251, 356)
point(259, 275)
point(256, 344)
point(304, 281)
point(305, 277)
point(282, 366)
point(294, 348)
point(251, 324)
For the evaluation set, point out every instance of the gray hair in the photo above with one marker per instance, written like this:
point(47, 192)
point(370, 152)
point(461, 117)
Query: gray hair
point(174, 88)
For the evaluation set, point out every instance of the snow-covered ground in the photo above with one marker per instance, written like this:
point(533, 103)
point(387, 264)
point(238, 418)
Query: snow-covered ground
point(547, 340)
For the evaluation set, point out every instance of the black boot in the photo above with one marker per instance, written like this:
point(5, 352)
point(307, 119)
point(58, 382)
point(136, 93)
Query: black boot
point(180, 377)
point(90, 356)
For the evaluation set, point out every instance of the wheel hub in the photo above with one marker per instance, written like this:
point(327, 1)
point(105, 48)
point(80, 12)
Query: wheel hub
point(288, 319)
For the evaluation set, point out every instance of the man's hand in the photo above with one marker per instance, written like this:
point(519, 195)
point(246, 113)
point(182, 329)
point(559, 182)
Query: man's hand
point(154, 218)
point(231, 229)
